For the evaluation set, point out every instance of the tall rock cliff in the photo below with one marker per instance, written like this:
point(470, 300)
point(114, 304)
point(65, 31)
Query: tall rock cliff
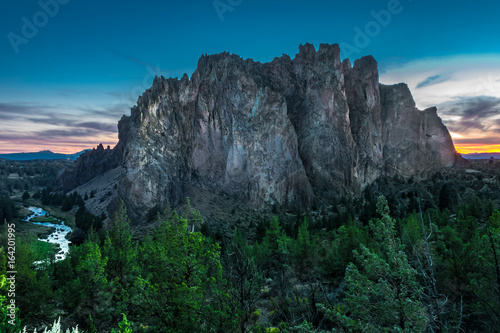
point(289, 132)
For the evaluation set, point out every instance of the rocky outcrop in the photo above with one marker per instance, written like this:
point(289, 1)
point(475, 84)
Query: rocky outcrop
point(89, 165)
point(289, 132)
point(416, 143)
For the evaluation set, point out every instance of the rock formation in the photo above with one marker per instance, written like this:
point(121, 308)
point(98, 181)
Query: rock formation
point(289, 132)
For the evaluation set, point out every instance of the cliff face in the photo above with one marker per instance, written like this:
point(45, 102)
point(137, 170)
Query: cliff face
point(289, 132)
point(416, 143)
point(88, 166)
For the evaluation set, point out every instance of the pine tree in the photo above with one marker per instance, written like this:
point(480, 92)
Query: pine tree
point(302, 246)
point(244, 278)
point(273, 253)
point(26, 195)
point(90, 288)
point(382, 289)
point(121, 259)
point(444, 197)
point(181, 287)
point(118, 247)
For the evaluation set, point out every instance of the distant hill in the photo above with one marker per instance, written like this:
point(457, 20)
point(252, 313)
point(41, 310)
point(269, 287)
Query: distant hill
point(481, 156)
point(41, 155)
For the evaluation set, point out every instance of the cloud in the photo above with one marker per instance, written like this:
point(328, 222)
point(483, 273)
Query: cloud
point(480, 107)
point(475, 119)
point(113, 128)
point(472, 108)
point(62, 116)
point(113, 111)
point(57, 140)
point(32, 126)
point(434, 81)
point(431, 80)
point(478, 141)
point(12, 111)
point(58, 133)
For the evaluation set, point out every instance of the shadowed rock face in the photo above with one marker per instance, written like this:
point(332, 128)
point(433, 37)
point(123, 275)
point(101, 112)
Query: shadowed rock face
point(88, 166)
point(416, 143)
point(289, 132)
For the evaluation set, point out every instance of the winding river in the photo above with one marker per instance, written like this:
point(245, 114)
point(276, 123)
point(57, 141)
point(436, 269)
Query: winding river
point(57, 237)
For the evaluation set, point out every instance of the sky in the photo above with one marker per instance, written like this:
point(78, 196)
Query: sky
point(70, 69)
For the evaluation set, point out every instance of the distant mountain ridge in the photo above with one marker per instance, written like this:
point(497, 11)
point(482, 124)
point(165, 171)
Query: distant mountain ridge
point(41, 155)
point(481, 156)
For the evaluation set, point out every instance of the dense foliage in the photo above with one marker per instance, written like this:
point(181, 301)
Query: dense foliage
point(434, 269)
point(28, 175)
point(7, 209)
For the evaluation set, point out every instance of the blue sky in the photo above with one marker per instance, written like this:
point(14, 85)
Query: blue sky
point(65, 84)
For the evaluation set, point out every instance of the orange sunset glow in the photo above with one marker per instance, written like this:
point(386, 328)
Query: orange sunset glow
point(470, 149)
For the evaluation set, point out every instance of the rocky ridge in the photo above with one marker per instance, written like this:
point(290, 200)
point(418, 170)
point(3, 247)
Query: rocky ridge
point(291, 132)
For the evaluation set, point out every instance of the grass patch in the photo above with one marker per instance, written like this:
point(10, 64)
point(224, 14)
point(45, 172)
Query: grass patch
point(67, 217)
point(45, 219)
point(47, 250)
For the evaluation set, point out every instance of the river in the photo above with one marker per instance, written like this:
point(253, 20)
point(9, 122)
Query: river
point(57, 237)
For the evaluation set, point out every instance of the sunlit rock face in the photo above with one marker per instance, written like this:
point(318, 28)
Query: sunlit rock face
point(292, 132)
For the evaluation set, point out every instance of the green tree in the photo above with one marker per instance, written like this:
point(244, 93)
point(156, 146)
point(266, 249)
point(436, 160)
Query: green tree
point(124, 326)
point(121, 257)
point(273, 254)
point(445, 197)
point(483, 274)
point(118, 246)
point(339, 252)
point(33, 287)
point(382, 292)
point(302, 246)
point(181, 288)
point(192, 215)
point(67, 204)
point(245, 281)
point(88, 293)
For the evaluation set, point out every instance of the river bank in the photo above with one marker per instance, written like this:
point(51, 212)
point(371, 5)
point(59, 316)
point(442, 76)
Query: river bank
point(59, 230)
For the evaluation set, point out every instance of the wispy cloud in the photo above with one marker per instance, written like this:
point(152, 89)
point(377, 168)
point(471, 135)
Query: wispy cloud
point(437, 80)
point(56, 127)
point(479, 112)
point(112, 128)
point(431, 80)
point(478, 141)
point(9, 111)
